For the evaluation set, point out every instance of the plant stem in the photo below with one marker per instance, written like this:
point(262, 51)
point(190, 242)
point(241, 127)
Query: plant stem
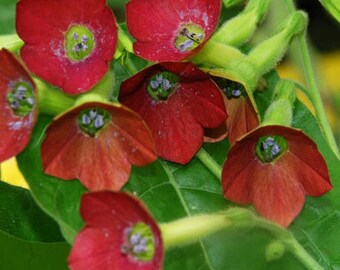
point(218, 55)
point(314, 93)
point(190, 229)
point(209, 162)
point(302, 255)
point(290, 243)
point(50, 100)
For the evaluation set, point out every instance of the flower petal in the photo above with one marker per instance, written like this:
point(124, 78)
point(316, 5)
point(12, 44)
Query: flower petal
point(15, 130)
point(155, 24)
point(276, 189)
point(43, 26)
point(100, 162)
point(108, 217)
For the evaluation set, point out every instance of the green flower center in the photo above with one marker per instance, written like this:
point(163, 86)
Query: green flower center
point(234, 90)
point(21, 98)
point(92, 120)
point(79, 42)
point(162, 85)
point(189, 37)
point(140, 242)
point(269, 148)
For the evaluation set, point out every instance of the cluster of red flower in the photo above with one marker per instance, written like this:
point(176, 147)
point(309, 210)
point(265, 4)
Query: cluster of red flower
point(168, 110)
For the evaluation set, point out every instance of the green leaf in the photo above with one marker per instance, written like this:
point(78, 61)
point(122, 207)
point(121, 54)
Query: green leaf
point(21, 217)
point(17, 254)
point(333, 8)
point(58, 198)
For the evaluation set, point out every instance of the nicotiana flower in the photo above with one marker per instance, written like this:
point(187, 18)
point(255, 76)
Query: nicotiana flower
point(273, 167)
point(176, 100)
point(242, 117)
point(18, 114)
point(67, 42)
point(97, 143)
point(171, 30)
point(119, 233)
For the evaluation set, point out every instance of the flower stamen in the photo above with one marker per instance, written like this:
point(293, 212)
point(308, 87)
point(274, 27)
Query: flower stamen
point(269, 148)
point(162, 85)
point(91, 121)
point(21, 98)
point(139, 243)
point(79, 42)
point(190, 37)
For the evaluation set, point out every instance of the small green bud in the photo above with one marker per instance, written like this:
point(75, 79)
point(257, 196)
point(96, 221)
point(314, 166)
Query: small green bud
point(240, 28)
point(268, 53)
point(280, 111)
point(275, 250)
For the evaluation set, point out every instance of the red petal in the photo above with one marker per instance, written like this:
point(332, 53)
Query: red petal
point(242, 118)
point(237, 172)
point(177, 135)
point(44, 36)
point(276, 189)
point(154, 24)
point(205, 102)
point(15, 130)
point(57, 14)
point(96, 249)
point(102, 162)
point(107, 216)
point(277, 192)
point(176, 123)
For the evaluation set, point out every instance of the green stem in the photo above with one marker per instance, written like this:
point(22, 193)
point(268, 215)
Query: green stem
point(130, 66)
point(51, 100)
point(290, 243)
point(302, 255)
point(209, 162)
point(190, 229)
point(217, 54)
point(314, 93)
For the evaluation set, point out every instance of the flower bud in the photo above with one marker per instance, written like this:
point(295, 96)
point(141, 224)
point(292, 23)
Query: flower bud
point(280, 111)
point(266, 55)
point(240, 28)
point(274, 251)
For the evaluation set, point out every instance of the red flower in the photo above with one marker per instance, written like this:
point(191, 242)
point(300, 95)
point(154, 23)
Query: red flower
point(273, 168)
point(176, 100)
point(171, 30)
point(19, 110)
point(119, 234)
point(242, 117)
point(97, 143)
point(67, 43)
